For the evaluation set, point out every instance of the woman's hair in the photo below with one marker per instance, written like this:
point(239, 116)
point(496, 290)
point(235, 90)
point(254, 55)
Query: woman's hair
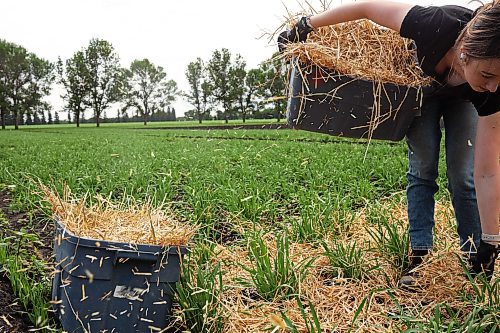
point(481, 37)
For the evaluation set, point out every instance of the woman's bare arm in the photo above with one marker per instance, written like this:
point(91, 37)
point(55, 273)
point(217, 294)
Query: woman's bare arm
point(386, 13)
point(487, 172)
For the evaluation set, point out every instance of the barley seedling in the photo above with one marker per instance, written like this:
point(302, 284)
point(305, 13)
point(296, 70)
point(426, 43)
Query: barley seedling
point(198, 293)
point(484, 292)
point(312, 224)
point(346, 260)
point(278, 277)
point(445, 319)
point(312, 325)
point(28, 277)
point(391, 239)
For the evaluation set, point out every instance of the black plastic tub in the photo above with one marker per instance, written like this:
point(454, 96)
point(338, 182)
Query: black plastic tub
point(102, 286)
point(326, 102)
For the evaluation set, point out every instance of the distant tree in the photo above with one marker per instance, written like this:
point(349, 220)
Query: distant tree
point(149, 90)
point(3, 107)
point(102, 79)
point(172, 115)
point(43, 118)
point(273, 88)
point(237, 76)
point(219, 82)
point(254, 81)
point(25, 80)
point(42, 110)
point(29, 119)
point(57, 120)
point(206, 99)
point(73, 76)
point(195, 97)
point(36, 119)
point(3, 82)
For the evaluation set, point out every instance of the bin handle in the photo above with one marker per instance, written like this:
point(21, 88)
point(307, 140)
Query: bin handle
point(135, 255)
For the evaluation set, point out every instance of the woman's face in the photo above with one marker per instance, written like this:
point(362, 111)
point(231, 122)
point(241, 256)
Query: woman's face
point(483, 75)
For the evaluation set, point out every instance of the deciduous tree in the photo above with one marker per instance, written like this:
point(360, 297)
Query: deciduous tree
point(273, 88)
point(199, 93)
point(73, 76)
point(237, 81)
point(219, 83)
point(26, 79)
point(102, 76)
point(149, 89)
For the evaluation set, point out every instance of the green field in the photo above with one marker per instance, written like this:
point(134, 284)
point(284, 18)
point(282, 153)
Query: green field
point(320, 194)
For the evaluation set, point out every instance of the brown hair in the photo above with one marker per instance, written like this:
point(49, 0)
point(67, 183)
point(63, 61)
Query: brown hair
point(481, 37)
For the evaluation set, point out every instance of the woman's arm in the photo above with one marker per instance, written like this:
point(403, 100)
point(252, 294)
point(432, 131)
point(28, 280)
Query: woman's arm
point(487, 172)
point(386, 13)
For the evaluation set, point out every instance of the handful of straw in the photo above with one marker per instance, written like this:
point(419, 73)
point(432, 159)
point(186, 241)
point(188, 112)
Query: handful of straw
point(125, 222)
point(363, 50)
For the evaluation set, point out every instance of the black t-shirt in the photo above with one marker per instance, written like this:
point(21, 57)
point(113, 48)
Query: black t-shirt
point(435, 30)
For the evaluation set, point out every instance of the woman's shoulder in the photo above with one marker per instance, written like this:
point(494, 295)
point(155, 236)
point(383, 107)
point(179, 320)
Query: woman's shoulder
point(450, 17)
point(434, 30)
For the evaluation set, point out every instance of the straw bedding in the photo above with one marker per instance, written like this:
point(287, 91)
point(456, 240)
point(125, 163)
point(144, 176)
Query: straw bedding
point(336, 300)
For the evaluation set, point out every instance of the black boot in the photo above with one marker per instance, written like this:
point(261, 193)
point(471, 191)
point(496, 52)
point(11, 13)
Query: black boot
point(484, 260)
point(409, 277)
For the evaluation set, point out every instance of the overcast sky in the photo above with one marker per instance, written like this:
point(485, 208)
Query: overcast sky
point(170, 33)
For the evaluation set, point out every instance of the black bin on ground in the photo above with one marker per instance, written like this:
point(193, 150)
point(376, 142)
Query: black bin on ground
point(102, 286)
point(327, 102)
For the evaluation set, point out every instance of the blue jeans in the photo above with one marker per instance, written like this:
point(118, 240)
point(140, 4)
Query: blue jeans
point(423, 138)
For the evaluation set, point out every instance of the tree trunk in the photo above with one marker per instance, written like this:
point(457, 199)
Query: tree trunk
point(77, 116)
point(2, 115)
point(244, 117)
point(145, 119)
point(16, 120)
point(199, 117)
point(97, 116)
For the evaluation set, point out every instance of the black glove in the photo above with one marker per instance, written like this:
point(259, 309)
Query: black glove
point(297, 34)
point(485, 259)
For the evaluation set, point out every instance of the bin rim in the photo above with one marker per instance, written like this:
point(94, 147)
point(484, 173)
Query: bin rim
point(68, 236)
point(360, 80)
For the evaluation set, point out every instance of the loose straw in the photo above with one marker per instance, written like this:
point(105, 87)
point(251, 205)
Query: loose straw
point(337, 299)
point(364, 50)
point(124, 222)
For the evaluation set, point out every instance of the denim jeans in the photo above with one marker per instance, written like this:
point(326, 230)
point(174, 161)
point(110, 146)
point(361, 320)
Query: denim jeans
point(423, 138)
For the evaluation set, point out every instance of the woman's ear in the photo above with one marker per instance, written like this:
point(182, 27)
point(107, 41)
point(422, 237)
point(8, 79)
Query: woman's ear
point(462, 56)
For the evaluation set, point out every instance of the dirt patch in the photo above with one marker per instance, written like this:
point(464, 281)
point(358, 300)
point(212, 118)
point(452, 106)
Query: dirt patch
point(40, 225)
point(12, 318)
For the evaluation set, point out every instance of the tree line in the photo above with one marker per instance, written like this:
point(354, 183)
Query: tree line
point(92, 79)
point(222, 84)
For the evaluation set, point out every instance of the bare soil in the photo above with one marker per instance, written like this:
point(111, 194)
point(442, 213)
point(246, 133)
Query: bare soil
point(12, 319)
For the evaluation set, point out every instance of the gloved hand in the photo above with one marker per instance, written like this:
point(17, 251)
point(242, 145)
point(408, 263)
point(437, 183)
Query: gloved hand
point(297, 34)
point(485, 259)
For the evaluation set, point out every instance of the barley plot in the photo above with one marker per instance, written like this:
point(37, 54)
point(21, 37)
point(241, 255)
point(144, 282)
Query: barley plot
point(233, 192)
